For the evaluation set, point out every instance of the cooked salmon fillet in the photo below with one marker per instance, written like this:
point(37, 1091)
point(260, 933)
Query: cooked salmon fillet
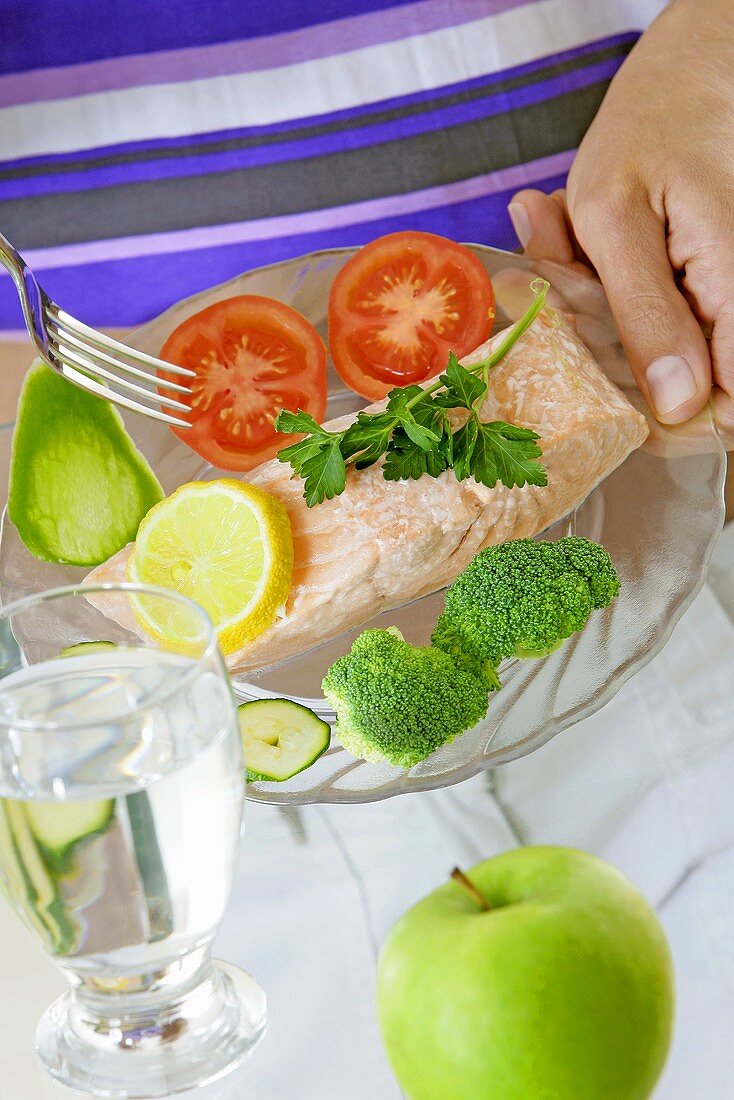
point(381, 544)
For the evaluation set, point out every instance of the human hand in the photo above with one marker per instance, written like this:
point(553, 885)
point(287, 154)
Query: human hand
point(650, 206)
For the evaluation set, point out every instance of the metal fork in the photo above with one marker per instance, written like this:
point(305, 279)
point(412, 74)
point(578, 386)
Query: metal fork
point(88, 358)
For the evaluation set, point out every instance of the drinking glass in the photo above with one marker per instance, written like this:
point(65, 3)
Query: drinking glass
point(121, 795)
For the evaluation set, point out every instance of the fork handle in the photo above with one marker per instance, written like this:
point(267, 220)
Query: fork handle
point(10, 257)
point(30, 293)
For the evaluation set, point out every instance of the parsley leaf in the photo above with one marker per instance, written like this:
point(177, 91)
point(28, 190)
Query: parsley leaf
point(425, 438)
point(463, 389)
point(368, 438)
point(317, 458)
point(506, 453)
point(397, 399)
point(305, 450)
point(464, 441)
point(324, 474)
point(295, 422)
point(405, 459)
point(430, 415)
point(408, 417)
point(297, 454)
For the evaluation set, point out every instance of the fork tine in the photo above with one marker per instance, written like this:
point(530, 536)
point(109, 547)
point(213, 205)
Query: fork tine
point(74, 359)
point(80, 329)
point(94, 354)
point(87, 383)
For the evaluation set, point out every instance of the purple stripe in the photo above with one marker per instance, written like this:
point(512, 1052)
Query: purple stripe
point(132, 291)
point(310, 222)
point(361, 112)
point(395, 130)
point(67, 32)
point(247, 55)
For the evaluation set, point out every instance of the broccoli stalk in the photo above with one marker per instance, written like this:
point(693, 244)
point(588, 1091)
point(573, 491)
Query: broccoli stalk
point(523, 598)
point(397, 702)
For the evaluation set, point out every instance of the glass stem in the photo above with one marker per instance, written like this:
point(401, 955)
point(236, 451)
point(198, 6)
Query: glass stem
point(129, 1008)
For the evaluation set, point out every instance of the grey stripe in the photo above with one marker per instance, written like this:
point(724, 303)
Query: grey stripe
point(369, 118)
point(391, 168)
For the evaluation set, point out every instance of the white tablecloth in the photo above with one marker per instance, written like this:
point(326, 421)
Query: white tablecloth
point(647, 783)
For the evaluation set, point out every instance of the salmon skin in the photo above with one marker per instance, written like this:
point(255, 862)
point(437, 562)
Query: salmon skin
point(381, 544)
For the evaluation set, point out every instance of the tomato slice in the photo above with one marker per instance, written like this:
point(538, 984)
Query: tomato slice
point(400, 305)
point(253, 356)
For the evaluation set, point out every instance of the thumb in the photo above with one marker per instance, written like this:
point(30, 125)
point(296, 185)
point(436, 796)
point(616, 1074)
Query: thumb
point(540, 226)
point(663, 341)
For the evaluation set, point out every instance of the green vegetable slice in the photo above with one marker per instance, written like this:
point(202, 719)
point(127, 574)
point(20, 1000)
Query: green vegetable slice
point(43, 905)
point(78, 485)
point(16, 882)
point(60, 826)
point(83, 649)
point(280, 738)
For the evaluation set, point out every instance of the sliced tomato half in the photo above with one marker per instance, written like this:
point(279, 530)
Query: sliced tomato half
point(400, 305)
point(253, 356)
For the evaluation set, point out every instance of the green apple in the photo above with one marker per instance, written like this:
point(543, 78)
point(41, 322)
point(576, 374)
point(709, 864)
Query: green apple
point(547, 976)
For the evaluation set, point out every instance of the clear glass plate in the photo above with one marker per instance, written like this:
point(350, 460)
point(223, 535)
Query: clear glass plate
point(659, 515)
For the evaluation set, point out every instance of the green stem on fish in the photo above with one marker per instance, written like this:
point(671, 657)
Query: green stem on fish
point(540, 288)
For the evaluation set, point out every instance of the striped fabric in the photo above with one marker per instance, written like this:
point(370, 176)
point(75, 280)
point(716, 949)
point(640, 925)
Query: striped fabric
point(148, 150)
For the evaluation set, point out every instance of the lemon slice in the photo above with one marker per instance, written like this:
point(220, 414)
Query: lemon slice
point(224, 544)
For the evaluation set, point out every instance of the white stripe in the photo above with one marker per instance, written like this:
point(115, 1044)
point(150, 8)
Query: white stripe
point(315, 87)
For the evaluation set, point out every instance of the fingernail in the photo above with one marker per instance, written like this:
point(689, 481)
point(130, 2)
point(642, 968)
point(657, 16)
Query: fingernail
point(671, 383)
point(520, 222)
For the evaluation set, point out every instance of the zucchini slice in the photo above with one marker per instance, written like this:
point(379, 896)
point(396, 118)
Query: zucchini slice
point(83, 649)
point(18, 887)
point(43, 904)
point(280, 738)
point(60, 826)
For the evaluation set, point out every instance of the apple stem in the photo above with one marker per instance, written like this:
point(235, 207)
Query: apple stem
point(466, 884)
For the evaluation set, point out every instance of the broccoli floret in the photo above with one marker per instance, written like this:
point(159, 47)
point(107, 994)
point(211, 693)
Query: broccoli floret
point(399, 702)
point(469, 662)
point(595, 566)
point(522, 598)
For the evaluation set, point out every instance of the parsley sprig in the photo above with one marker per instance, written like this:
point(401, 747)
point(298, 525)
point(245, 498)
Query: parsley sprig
point(415, 435)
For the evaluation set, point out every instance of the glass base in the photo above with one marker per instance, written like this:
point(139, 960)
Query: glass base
point(155, 1052)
